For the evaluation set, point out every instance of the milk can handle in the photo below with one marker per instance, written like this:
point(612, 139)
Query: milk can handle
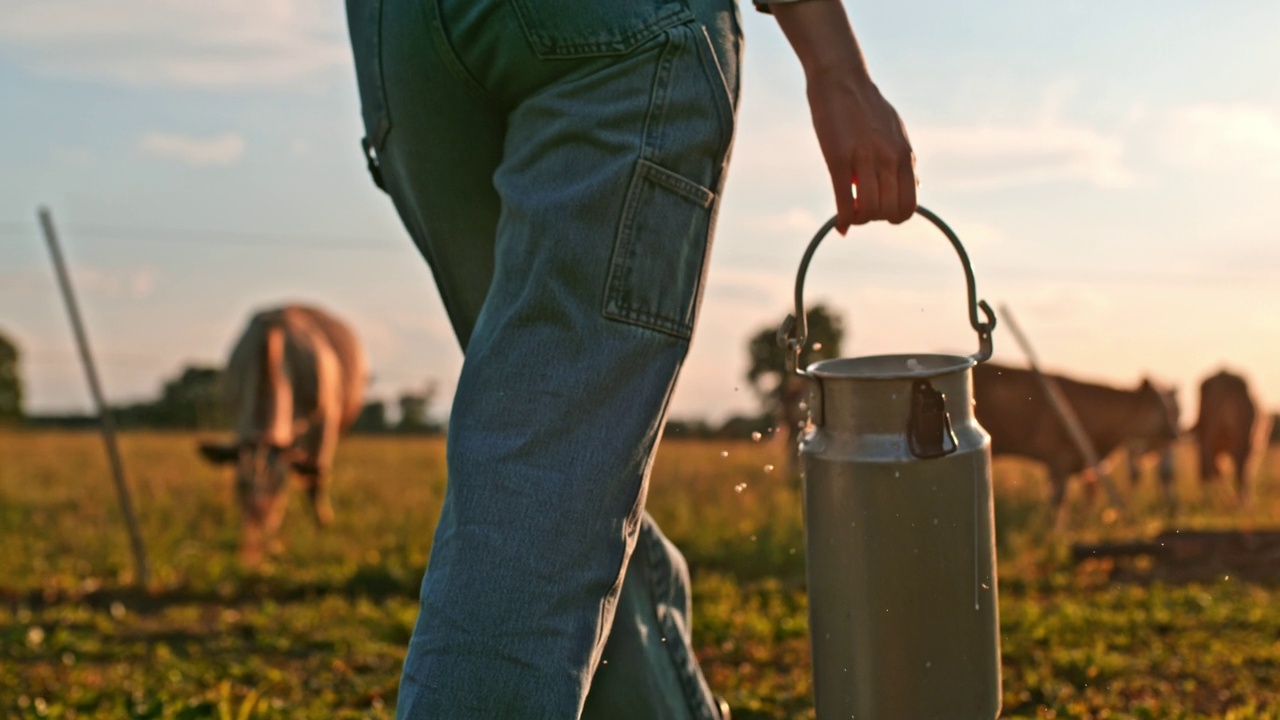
point(795, 329)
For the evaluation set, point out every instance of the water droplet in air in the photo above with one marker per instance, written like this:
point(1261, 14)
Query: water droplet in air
point(817, 346)
point(768, 468)
point(739, 487)
point(724, 453)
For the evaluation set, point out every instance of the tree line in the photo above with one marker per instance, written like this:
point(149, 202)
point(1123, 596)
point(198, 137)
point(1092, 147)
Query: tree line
point(193, 398)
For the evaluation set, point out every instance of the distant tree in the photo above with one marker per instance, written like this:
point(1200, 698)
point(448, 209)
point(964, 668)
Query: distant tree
point(195, 399)
point(741, 427)
point(415, 410)
point(781, 393)
point(10, 382)
point(191, 401)
point(688, 428)
point(372, 417)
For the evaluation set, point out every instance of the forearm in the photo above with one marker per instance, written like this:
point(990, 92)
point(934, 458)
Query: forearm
point(822, 38)
point(862, 138)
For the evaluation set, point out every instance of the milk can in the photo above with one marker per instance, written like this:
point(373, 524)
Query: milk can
point(899, 528)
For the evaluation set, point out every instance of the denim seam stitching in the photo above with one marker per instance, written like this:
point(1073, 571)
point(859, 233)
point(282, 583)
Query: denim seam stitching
point(621, 262)
point(720, 87)
point(651, 133)
point(677, 183)
point(452, 61)
point(624, 248)
point(383, 127)
point(547, 47)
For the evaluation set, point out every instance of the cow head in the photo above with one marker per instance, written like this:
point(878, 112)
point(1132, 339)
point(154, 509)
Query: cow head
point(262, 474)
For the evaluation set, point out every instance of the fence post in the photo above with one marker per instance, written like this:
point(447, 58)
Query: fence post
point(104, 414)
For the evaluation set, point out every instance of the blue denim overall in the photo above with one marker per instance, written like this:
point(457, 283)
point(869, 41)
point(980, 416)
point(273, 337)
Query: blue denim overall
point(559, 165)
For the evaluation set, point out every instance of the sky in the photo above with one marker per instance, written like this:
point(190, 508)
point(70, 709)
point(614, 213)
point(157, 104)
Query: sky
point(1112, 169)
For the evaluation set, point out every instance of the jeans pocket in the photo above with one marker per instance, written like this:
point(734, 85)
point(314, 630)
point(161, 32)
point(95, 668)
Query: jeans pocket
point(586, 28)
point(655, 274)
point(364, 22)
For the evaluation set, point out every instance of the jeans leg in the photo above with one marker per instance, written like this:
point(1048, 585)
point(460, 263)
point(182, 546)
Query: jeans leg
point(649, 670)
point(567, 226)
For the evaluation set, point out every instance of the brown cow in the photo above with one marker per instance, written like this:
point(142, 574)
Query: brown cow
point(1012, 407)
point(295, 380)
point(1227, 422)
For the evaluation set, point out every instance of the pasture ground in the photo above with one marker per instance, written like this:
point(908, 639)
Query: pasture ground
point(320, 632)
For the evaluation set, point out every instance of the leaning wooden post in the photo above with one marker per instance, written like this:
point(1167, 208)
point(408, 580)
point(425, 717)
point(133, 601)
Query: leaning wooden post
point(104, 415)
point(1062, 408)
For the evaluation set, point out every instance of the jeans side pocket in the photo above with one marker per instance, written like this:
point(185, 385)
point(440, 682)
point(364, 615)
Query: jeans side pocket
point(364, 22)
point(659, 256)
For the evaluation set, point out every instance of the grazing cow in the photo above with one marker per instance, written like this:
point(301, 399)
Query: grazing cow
point(1137, 448)
point(1227, 423)
point(295, 380)
point(1012, 407)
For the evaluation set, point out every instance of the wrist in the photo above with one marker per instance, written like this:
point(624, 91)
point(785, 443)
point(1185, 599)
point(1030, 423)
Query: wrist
point(823, 40)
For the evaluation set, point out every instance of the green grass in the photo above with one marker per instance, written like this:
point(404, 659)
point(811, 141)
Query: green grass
point(321, 631)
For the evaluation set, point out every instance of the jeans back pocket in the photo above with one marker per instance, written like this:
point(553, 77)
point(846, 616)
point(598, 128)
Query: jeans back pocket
point(585, 28)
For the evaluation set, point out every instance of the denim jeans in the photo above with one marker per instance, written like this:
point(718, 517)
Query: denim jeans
point(559, 165)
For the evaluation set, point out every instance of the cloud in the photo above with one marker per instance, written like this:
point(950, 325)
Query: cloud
point(1221, 137)
point(793, 221)
point(136, 283)
point(142, 283)
point(1057, 304)
point(999, 155)
point(1037, 146)
point(74, 156)
point(224, 149)
point(216, 44)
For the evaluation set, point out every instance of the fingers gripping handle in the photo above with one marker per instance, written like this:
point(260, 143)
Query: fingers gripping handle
point(794, 332)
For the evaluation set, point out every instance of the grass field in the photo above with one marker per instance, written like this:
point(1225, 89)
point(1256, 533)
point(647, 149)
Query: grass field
point(320, 633)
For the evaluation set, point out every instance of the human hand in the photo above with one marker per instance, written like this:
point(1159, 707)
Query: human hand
point(861, 136)
point(865, 146)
